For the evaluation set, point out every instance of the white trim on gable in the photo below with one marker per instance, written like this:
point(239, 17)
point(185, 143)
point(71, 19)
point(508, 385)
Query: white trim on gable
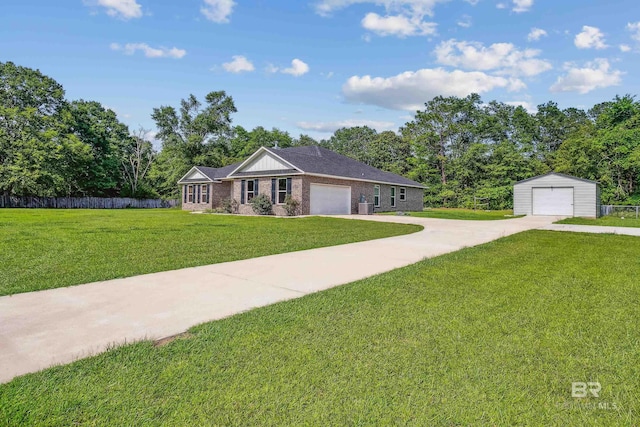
point(265, 162)
point(201, 176)
point(254, 158)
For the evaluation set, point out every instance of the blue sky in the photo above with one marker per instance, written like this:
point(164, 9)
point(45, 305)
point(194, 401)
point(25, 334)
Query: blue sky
point(314, 66)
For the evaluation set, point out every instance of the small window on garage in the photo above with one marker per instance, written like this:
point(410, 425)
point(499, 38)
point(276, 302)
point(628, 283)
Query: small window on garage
point(393, 197)
point(403, 194)
point(376, 196)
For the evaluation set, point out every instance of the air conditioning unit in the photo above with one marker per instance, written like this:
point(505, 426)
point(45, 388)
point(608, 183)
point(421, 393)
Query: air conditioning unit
point(365, 208)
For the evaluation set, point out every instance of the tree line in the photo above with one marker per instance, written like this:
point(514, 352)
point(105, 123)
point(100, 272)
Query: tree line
point(460, 148)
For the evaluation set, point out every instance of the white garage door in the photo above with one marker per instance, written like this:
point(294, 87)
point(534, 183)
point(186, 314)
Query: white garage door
point(330, 200)
point(553, 201)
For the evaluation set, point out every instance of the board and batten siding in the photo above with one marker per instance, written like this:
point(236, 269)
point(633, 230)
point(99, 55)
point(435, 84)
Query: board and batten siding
point(266, 162)
point(586, 197)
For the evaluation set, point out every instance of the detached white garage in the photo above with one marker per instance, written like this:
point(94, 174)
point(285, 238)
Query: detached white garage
point(556, 194)
point(330, 199)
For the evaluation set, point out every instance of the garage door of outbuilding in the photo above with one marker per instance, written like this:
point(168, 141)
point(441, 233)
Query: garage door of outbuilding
point(330, 199)
point(553, 201)
point(556, 194)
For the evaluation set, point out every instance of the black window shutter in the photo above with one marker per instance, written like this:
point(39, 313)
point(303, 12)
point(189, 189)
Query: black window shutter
point(289, 186)
point(255, 188)
point(273, 190)
point(242, 187)
point(185, 188)
point(198, 188)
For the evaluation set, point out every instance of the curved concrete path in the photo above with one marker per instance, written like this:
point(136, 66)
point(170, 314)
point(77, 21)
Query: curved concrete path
point(41, 329)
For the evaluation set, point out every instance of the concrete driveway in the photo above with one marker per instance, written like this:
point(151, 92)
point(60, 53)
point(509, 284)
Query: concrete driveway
point(41, 329)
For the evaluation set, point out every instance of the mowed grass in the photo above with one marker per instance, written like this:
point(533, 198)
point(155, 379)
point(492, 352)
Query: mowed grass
point(610, 221)
point(464, 214)
point(43, 249)
point(491, 335)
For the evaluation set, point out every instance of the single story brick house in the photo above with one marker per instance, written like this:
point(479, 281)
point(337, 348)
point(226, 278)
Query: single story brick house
point(323, 182)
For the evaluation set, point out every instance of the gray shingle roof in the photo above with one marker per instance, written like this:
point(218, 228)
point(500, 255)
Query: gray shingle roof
point(317, 160)
point(217, 174)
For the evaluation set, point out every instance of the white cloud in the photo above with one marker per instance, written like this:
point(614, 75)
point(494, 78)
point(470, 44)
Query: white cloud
point(520, 6)
point(149, 52)
point(472, 2)
point(403, 18)
point(590, 37)
point(501, 5)
point(218, 10)
point(594, 75)
point(330, 127)
point(297, 69)
point(397, 25)
point(624, 48)
point(125, 9)
point(411, 89)
point(413, 7)
point(504, 58)
point(524, 104)
point(465, 21)
point(634, 29)
point(535, 34)
point(238, 64)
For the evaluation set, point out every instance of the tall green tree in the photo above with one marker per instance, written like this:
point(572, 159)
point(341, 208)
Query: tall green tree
point(352, 142)
point(441, 134)
point(619, 135)
point(390, 152)
point(30, 139)
point(136, 162)
point(304, 140)
point(108, 140)
point(197, 134)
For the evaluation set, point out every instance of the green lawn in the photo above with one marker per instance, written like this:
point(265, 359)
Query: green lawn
point(611, 221)
point(468, 214)
point(491, 335)
point(42, 249)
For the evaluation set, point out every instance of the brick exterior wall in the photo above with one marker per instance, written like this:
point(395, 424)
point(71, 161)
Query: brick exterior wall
point(264, 187)
point(301, 191)
point(413, 201)
point(217, 192)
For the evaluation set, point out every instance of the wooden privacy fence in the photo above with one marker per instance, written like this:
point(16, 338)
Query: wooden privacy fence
point(84, 202)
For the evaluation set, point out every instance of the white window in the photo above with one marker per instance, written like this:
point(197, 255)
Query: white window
point(376, 196)
point(251, 190)
point(393, 197)
point(204, 193)
point(190, 194)
point(282, 190)
point(403, 194)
